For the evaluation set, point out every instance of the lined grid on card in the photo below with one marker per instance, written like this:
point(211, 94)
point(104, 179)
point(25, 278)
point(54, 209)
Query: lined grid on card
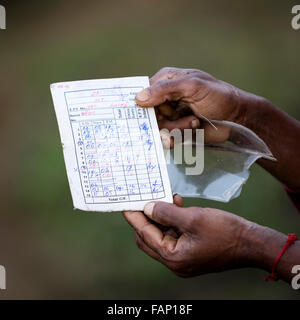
point(114, 144)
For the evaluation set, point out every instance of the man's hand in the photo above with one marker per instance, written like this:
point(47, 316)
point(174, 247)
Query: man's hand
point(182, 96)
point(196, 241)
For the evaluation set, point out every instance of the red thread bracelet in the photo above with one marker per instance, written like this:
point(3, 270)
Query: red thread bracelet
point(273, 276)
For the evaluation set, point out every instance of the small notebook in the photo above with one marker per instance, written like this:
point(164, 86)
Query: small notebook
point(112, 148)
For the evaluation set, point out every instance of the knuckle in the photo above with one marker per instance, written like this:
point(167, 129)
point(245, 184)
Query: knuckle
point(168, 253)
point(193, 71)
point(172, 256)
point(165, 85)
point(165, 253)
point(195, 81)
point(168, 70)
point(160, 88)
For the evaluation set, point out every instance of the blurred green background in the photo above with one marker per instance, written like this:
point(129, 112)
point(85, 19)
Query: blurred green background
point(51, 251)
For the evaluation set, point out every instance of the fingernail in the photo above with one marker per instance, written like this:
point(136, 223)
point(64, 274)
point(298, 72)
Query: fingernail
point(195, 124)
point(143, 95)
point(148, 209)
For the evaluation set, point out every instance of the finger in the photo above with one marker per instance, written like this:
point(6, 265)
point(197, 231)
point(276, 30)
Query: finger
point(211, 135)
point(166, 139)
point(162, 91)
point(141, 244)
point(180, 110)
point(151, 253)
point(159, 116)
point(189, 122)
point(157, 113)
point(172, 232)
point(177, 199)
point(166, 73)
point(166, 110)
point(151, 234)
point(174, 111)
point(172, 73)
point(138, 218)
point(168, 215)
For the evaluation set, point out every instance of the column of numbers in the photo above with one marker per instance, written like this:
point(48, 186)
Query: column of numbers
point(117, 158)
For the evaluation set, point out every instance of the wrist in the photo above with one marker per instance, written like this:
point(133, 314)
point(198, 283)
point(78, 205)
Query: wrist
point(252, 110)
point(260, 246)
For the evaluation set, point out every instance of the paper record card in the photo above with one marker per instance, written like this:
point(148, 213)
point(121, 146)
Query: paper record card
point(112, 148)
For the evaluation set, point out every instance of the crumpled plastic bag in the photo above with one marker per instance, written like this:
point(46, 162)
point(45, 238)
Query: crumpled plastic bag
point(226, 165)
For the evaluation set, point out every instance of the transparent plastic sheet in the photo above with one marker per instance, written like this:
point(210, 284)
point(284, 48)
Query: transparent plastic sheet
point(226, 165)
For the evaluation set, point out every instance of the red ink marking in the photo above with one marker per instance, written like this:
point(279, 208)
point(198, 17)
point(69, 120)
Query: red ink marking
point(88, 113)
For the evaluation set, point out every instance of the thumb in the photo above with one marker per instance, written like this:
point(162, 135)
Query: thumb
point(168, 214)
point(160, 92)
